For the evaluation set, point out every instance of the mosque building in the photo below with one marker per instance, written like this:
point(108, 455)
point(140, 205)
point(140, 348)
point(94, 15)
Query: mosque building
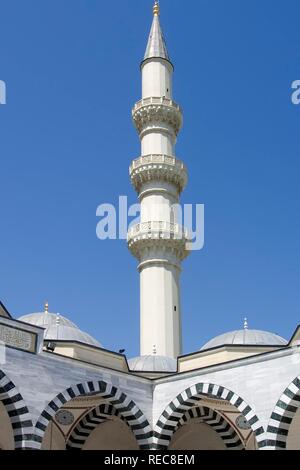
point(60, 389)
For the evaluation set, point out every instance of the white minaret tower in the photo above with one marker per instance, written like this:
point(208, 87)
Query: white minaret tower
point(159, 241)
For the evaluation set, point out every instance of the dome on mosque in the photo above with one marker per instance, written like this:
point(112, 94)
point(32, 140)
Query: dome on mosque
point(59, 328)
point(246, 337)
point(153, 363)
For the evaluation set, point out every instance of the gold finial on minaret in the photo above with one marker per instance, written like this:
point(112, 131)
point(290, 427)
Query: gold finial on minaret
point(46, 307)
point(156, 9)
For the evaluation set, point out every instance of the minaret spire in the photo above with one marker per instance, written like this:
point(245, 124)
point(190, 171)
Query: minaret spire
point(156, 46)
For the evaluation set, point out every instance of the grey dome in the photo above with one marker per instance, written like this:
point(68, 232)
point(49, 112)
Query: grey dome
point(59, 328)
point(248, 337)
point(153, 364)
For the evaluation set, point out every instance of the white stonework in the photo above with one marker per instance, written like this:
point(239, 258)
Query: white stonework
point(156, 168)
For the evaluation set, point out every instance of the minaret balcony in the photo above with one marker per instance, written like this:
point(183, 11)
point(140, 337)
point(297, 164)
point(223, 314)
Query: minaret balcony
point(158, 167)
point(155, 111)
point(148, 236)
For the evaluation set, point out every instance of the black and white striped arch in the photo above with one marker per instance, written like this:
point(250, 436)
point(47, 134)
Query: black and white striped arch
point(282, 416)
point(88, 423)
point(190, 398)
point(219, 424)
point(126, 408)
point(18, 414)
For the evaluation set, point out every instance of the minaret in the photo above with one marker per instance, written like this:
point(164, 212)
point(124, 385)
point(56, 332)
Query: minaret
point(159, 241)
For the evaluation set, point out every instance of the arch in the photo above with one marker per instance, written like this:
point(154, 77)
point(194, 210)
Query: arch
point(190, 398)
point(216, 421)
point(127, 409)
point(88, 423)
point(282, 416)
point(18, 413)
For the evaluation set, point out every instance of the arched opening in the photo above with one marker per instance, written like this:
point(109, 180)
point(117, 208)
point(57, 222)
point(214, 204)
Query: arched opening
point(202, 428)
point(102, 428)
point(6, 431)
point(208, 416)
point(92, 415)
point(293, 437)
point(16, 430)
point(283, 428)
point(196, 436)
point(112, 434)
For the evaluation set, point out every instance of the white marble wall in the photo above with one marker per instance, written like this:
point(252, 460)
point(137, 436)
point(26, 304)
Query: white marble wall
point(40, 378)
point(259, 380)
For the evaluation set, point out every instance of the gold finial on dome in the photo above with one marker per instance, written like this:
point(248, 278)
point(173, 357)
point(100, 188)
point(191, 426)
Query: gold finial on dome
point(46, 307)
point(156, 9)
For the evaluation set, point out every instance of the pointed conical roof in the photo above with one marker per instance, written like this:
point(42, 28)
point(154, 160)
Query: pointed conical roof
point(156, 46)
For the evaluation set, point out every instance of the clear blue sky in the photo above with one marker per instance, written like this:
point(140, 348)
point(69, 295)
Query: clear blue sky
point(66, 141)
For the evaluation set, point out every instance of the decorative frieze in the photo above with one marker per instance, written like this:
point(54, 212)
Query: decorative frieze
point(152, 236)
point(17, 338)
point(158, 167)
point(157, 111)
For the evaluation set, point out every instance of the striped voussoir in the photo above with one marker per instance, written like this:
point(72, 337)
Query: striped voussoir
point(88, 423)
point(126, 408)
point(190, 398)
point(282, 416)
point(219, 424)
point(18, 414)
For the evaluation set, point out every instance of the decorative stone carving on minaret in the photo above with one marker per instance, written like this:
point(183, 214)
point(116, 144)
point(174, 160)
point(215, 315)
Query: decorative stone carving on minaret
point(158, 241)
